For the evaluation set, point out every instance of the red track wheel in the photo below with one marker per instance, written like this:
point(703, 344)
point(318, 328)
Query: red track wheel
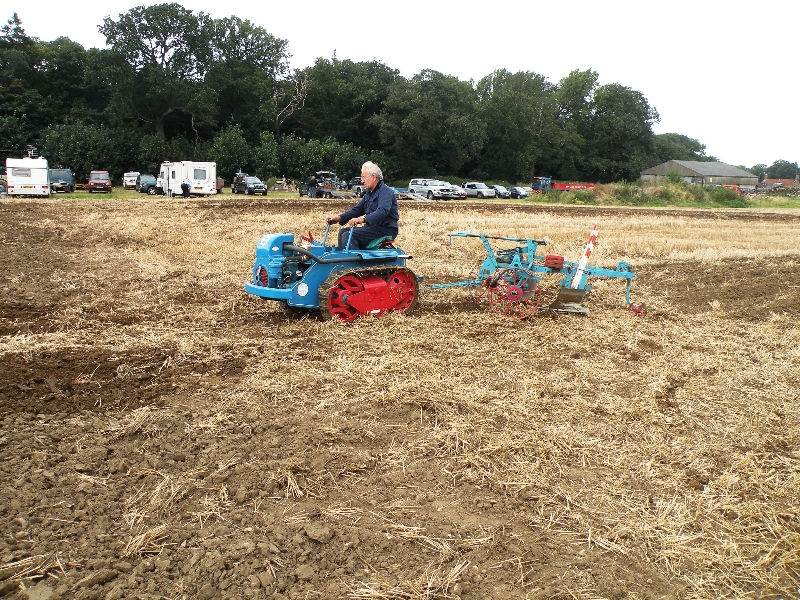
point(337, 298)
point(403, 286)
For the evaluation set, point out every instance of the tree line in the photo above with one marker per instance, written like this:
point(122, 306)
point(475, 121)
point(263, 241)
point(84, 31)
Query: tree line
point(178, 85)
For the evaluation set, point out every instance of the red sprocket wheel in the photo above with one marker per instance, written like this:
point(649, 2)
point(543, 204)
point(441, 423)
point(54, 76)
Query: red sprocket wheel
point(514, 293)
point(337, 298)
point(403, 286)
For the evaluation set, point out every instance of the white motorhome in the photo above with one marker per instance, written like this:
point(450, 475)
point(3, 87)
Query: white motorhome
point(129, 180)
point(201, 177)
point(27, 177)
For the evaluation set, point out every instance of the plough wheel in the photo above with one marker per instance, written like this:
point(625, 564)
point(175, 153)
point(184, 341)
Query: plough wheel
point(333, 301)
point(479, 291)
point(639, 309)
point(514, 293)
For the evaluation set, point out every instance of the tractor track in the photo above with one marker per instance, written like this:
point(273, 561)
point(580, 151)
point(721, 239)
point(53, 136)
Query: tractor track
point(382, 271)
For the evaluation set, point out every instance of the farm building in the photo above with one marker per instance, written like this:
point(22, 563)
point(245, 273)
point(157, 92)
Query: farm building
point(702, 173)
point(789, 183)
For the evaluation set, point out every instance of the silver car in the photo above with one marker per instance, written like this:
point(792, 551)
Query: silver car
point(431, 188)
point(476, 189)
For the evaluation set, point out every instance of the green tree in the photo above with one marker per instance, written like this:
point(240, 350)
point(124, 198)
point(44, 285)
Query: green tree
point(430, 124)
point(342, 96)
point(13, 31)
point(618, 134)
point(24, 112)
point(167, 52)
point(573, 101)
point(519, 111)
point(298, 158)
point(265, 156)
point(674, 146)
point(63, 67)
point(231, 152)
point(760, 169)
point(782, 169)
point(84, 148)
point(249, 70)
point(152, 151)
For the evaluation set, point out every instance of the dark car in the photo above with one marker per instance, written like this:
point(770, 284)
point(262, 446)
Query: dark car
point(500, 191)
point(356, 186)
point(518, 192)
point(99, 181)
point(146, 184)
point(62, 180)
point(249, 185)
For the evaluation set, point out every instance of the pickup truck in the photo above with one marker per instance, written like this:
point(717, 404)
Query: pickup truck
point(476, 189)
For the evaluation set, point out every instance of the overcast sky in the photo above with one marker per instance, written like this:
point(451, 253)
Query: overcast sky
point(722, 74)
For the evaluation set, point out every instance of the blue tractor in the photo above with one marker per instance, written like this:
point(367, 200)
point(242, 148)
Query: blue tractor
point(341, 284)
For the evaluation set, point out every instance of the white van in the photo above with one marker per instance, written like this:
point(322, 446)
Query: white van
point(201, 177)
point(28, 177)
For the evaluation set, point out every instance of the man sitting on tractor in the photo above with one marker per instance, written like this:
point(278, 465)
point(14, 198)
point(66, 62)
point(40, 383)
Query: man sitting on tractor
point(376, 211)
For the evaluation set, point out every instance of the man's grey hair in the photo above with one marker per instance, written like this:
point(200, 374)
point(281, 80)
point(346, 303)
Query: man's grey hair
point(370, 168)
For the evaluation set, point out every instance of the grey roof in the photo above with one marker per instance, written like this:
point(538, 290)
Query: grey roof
point(707, 169)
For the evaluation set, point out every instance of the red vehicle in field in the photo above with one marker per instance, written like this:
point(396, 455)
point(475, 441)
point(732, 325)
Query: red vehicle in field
point(99, 181)
point(542, 184)
point(566, 187)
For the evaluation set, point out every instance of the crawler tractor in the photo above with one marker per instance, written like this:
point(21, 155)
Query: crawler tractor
point(346, 284)
point(342, 284)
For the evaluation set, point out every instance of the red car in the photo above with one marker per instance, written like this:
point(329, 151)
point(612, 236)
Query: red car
point(99, 181)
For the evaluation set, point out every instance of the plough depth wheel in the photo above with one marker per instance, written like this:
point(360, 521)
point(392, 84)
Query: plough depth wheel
point(514, 293)
point(479, 291)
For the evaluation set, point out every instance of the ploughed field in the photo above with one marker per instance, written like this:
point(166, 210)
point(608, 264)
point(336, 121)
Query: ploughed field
point(164, 435)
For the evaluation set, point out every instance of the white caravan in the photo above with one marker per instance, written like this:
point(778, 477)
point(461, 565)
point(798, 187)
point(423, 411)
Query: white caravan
point(201, 177)
point(27, 177)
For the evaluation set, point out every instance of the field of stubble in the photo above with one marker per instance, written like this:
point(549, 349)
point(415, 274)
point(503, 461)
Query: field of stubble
point(164, 435)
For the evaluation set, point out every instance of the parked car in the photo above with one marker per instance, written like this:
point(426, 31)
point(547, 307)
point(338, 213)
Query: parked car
point(99, 181)
point(500, 191)
point(62, 180)
point(476, 189)
point(356, 186)
point(146, 184)
point(459, 193)
point(249, 185)
point(431, 188)
point(518, 192)
point(129, 180)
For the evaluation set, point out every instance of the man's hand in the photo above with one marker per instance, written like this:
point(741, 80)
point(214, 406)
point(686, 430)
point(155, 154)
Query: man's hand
point(333, 219)
point(357, 221)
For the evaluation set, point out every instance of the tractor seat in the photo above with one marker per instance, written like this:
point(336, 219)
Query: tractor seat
point(382, 242)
